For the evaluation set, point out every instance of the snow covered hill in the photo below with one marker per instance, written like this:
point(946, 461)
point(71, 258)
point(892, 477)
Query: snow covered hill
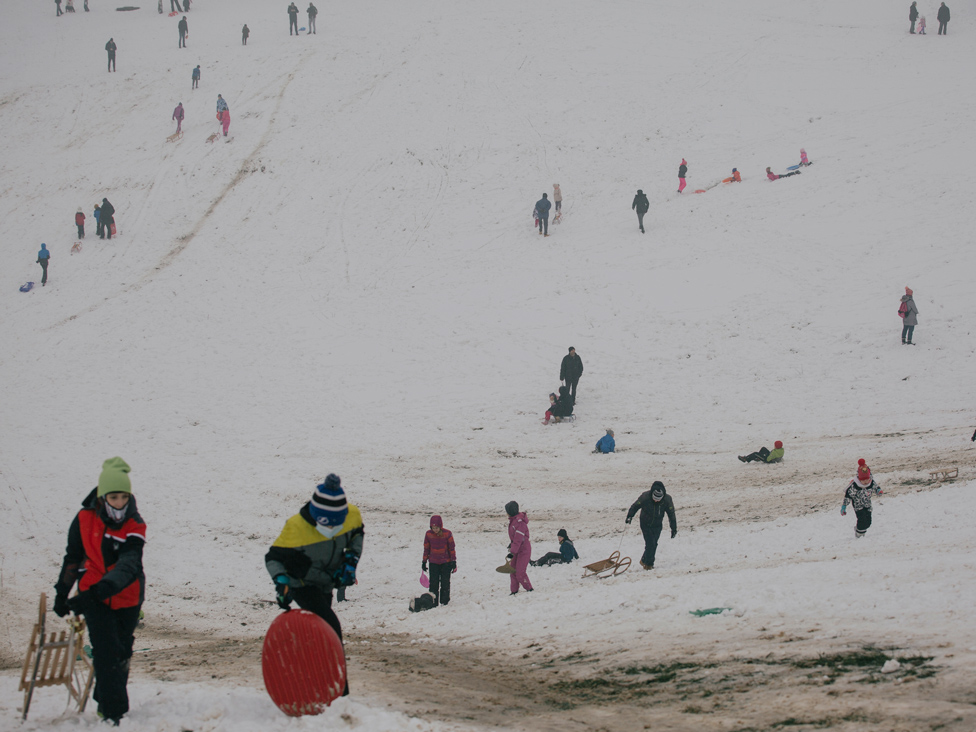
point(352, 284)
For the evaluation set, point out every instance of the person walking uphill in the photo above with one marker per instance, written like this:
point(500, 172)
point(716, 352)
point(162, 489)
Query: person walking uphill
point(195, 77)
point(317, 551)
point(557, 197)
point(44, 259)
point(943, 18)
point(859, 493)
point(106, 217)
point(640, 205)
point(913, 16)
point(184, 30)
point(245, 32)
point(104, 556)
point(178, 116)
point(292, 18)
point(682, 172)
point(312, 12)
point(653, 505)
point(570, 371)
point(439, 551)
point(542, 207)
point(909, 312)
point(519, 548)
point(111, 48)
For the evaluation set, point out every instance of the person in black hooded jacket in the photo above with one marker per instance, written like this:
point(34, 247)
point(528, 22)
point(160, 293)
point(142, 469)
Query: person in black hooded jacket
point(640, 205)
point(570, 371)
point(106, 217)
point(943, 18)
point(653, 505)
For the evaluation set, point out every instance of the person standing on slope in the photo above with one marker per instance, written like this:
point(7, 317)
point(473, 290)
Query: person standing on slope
point(557, 197)
point(859, 493)
point(439, 551)
point(912, 16)
point(245, 32)
point(80, 223)
point(640, 205)
point(111, 48)
point(292, 18)
point(312, 12)
point(104, 556)
point(519, 547)
point(43, 259)
point(195, 77)
point(682, 172)
point(223, 114)
point(106, 217)
point(178, 116)
point(653, 505)
point(909, 312)
point(184, 30)
point(943, 18)
point(570, 371)
point(542, 207)
point(318, 550)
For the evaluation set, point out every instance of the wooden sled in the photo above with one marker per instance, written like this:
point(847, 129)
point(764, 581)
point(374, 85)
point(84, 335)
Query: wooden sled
point(610, 567)
point(213, 137)
point(944, 474)
point(175, 136)
point(76, 247)
point(57, 660)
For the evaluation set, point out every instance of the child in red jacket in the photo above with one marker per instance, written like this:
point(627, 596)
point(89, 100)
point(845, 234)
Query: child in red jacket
point(439, 550)
point(80, 223)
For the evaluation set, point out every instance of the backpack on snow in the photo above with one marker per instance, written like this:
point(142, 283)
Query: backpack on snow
point(426, 601)
point(903, 309)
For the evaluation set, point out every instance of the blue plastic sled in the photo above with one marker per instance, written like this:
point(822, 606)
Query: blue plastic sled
point(794, 167)
point(27, 287)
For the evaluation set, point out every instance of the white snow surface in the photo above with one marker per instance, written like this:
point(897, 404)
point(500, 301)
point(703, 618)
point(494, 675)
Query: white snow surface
point(353, 285)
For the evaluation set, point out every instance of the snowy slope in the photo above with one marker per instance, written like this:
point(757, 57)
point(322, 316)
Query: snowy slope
point(353, 285)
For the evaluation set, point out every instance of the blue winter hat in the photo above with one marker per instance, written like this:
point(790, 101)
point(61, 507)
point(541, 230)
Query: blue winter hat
point(328, 505)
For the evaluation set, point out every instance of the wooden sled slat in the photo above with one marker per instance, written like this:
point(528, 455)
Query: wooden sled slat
point(609, 567)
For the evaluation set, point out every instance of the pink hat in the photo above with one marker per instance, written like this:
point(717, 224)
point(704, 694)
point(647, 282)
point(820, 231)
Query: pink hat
point(683, 161)
point(863, 471)
point(908, 290)
point(436, 521)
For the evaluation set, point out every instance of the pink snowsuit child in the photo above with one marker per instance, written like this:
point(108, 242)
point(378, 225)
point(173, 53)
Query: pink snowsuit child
point(552, 403)
point(178, 116)
point(224, 118)
point(520, 547)
point(682, 171)
point(921, 24)
point(803, 157)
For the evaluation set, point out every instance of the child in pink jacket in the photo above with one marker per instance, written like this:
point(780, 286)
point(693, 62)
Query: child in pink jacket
point(439, 551)
point(520, 549)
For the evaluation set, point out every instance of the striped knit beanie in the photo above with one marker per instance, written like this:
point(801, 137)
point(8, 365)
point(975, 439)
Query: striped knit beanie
point(328, 505)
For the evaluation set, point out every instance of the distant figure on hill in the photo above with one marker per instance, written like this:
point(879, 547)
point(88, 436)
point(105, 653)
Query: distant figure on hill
point(565, 555)
point(223, 114)
point(195, 76)
point(111, 48)
point(292, 18)
point(912, 16)
point(184, 30)
point(943, 18)
point(606, 444)
point(682, 172)
point(178, 116)
point(186, 6)
point(909, 312)
point(653, 506)
point(96, 214)
point(570, 371)
point(859, 493)
point(43, 259)
point(552, 403)
point(80, 223)
point(772, 176)
point(58, 3)
point(640, 205)
point(69, 6)
point(557, 197)
point(804, 160)
point(921, 25)
point(106, 218)
point(736, 177)
point(312, 12)
point(542, 207)
point(245, 32)
point(763, 455)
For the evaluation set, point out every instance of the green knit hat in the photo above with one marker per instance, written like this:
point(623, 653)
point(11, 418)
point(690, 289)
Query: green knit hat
point(114, 477)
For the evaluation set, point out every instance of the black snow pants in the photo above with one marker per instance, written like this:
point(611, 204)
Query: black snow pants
point(571, 385)
point(43, 263)
point(81, 231)
point(293, 23)
point(863, 521)
point(112, 633)
point(640, 220)
point(548, 559)
point(651, 536)
point(759, 455)
point(319, 601)
point(440, 582)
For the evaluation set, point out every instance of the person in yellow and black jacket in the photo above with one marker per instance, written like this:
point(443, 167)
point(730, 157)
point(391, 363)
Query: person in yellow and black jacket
point(317, 551)
point(104, 556)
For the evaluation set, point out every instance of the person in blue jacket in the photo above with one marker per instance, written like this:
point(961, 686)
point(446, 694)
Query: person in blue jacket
point(542, 207)
point(565, 555)
point(43, 258)
point(96, 214)
point(606, 443)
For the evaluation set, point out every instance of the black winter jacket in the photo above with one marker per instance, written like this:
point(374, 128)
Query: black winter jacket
point(652, 512)
point(571, 367)
point(641, 203)
point(943, 15)
point(682, 169)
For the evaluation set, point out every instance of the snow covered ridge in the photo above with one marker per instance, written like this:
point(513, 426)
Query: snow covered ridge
point(354, 285)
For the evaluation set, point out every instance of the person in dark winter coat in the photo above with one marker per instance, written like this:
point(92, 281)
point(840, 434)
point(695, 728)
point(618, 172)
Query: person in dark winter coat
point(317, 551)
point(111, 48)
point(565, 555)
point(909, 313)
point(292, 18)
point(245, 32)
point(682, 172)
point(943, 18)
point(312, 12)
point(542, 207)
point(606, 444)
point(184, 29)
point(439, 551)
point(763, 455)
point(653, 505)
point(43, 259)
point(195, 77)
point(519, 547)
point(104, 556)
point(913, 16)
point(80, 223)
point(106, 217)
point(859, 493)
point(640, 205)
point(58, 3)
point(564, 405)
point(570, 371)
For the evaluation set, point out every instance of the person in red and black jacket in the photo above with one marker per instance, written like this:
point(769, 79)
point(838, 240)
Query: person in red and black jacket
point(104, 556)
point(439, 550)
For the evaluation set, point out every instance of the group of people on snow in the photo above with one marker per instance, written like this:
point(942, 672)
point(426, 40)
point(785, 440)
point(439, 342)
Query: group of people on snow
point(942, 16)
point(69, 7)
point(561, 405)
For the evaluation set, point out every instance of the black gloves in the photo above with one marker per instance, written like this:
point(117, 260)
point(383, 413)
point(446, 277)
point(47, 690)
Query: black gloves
point(80, 603)
point(674, 533)
point(423, 566)
point(61, 605)
point(628, 519)
point(453, 566)
point(282, 591)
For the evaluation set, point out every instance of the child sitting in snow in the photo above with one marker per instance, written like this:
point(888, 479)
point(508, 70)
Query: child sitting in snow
point(552, 403)
point(859, 494)
point(736, 177)
point(804, 160)
point(606, 443)
point(765, 456)
point(565, 555)
point(772, 176)
point(564, 405)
